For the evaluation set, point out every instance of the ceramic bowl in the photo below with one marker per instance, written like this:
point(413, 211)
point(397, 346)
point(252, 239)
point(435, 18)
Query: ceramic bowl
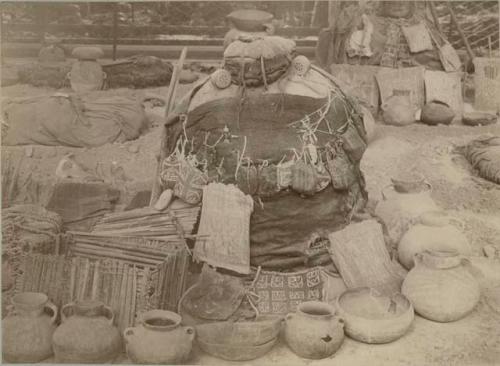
point(234, 352)
point(371, 317)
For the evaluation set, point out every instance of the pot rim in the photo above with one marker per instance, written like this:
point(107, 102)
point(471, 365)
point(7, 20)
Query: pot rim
point(398, 297)
point(322, 306)
point(30, 299)
point(161, 314)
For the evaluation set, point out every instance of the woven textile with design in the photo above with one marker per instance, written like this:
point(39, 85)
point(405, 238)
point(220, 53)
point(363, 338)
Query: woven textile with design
point(281, 293)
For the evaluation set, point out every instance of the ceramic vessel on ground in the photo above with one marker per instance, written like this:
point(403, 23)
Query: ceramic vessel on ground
point(159, 339)
point(239, 341)
point(314, 331)
point(87, 334)
point(27, 330)
point(436, 112)
point(371, 317)
point(233, 352)
point(440, 287)
point(433, 231)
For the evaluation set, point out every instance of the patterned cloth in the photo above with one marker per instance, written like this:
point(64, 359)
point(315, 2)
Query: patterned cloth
point(280, 293)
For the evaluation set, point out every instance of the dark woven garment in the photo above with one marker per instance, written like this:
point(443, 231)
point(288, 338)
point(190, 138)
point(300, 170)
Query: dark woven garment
point(260, 125)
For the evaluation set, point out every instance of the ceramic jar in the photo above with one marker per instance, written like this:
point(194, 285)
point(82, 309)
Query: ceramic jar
point(433, 231)
point(87, 334)
point(401, 204)
point(436, 112)
point(314, 331)
point(27, 330)
point(440, 287)
point(159, 339)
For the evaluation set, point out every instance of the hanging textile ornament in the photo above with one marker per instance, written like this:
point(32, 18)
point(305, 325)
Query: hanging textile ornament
point(169, 171)
point(339, 167)
point(221, 79)
point(284, 174)
point(190, 182)
point(300, 65)
point(323, 177)
point(304, 178)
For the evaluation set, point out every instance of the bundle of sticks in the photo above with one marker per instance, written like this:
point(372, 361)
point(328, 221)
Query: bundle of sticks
point(132, 250)
point(149, 223)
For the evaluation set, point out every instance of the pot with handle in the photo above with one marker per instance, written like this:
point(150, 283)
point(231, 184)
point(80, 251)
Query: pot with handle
point(441, 287)
point(314, 331)
point(27, 330)
point(87, 334)
point(159, 339)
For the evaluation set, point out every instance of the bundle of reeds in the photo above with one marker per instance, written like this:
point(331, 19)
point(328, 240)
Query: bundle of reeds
point(149, 223)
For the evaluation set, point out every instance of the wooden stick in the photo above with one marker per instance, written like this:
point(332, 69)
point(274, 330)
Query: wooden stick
point(460, 31)
point(435, 18)
point(155, 192)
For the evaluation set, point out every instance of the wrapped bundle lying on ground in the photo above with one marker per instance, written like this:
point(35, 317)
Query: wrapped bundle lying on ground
point(72, 120)
point(484, 155)
point(134, 72)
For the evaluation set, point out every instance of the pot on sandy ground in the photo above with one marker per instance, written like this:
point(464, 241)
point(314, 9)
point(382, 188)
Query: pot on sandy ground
point(87, 334)
point(440, 287)
point(371, 317)
point(27, 330)
point(159, 339)
point(314, 331)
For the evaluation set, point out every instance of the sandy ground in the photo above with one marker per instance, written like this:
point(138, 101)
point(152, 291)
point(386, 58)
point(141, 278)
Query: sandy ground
point(474, 340)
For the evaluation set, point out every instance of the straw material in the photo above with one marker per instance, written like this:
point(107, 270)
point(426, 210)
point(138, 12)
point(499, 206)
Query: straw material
point(225, 221)
point(362, 259)
point(127, 288)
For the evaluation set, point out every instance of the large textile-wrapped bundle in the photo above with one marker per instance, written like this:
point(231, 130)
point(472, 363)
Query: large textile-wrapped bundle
point(70, 120)
point(281, 145)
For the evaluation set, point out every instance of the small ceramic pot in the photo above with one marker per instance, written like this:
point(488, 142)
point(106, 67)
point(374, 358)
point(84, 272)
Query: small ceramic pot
point(159, 339)
point(314, 331)
point(27, 330)
point(436, 112)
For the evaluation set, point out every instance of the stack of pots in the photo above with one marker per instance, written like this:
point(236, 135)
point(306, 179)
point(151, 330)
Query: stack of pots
point(86, 73)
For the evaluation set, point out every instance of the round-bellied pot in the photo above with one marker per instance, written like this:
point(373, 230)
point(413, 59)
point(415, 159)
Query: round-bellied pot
point(433, 231)
point(437, 112)
point(314, 331)
point(87, 334)
point(159, 339)
point(27, 330)
point(440, 287)
point(372, 317)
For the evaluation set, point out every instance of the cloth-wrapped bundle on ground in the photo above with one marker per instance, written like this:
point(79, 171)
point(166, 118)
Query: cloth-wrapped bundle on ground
point(283, 145)
point(484, 155)
point(71, 120)
point(134, 72)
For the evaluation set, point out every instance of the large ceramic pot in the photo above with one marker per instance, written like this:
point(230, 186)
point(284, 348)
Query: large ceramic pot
point(440, 287)
point(27, 330)
point(159, 339)
point(87, 334)
point(314, 331)
point(433, 231)
point(402, 203)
